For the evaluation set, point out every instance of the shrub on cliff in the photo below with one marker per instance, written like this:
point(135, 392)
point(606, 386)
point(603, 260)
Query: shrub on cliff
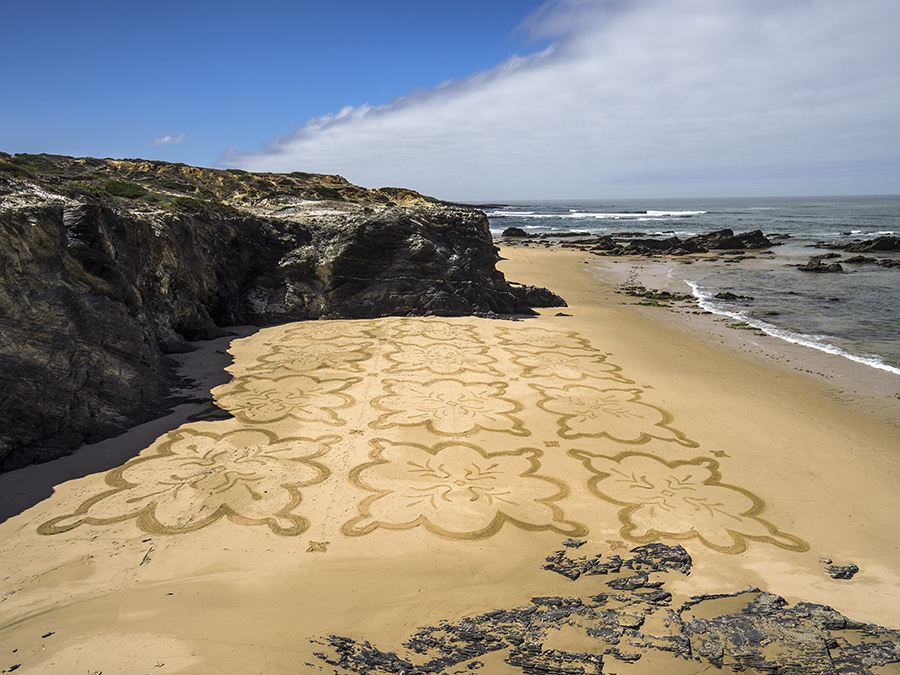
point(118, 188)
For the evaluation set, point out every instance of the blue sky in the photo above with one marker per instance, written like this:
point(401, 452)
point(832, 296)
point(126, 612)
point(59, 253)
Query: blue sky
point(469, 100)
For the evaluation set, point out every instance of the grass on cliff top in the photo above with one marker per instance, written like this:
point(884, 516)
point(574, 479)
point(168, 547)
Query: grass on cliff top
point(154, 181)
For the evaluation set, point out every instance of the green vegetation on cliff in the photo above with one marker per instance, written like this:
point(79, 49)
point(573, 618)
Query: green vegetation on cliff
point(180, 187)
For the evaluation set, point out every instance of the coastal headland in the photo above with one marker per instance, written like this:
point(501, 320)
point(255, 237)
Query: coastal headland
point(109, 266)
point(620, 485)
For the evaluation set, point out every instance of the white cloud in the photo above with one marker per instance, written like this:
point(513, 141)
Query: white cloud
point(640, 98)
point(167, 140)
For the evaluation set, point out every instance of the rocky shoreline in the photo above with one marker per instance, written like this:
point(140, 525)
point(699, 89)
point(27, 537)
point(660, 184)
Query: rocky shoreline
point(108, 265)
point(634, 618)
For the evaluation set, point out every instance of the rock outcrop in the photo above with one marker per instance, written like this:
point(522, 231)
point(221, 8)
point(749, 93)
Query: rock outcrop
point(106, 266)
point(618, 614)
point(720, 240)
point(884, 243)
point(818, 264)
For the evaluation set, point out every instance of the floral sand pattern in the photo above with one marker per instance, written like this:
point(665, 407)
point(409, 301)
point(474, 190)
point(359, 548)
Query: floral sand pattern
point(441, 358)
point(681, 500)
point(256, 400)
point(617, 414)
point(198, 478)
point(448, 407)
point(432, 414)
point(457, 490)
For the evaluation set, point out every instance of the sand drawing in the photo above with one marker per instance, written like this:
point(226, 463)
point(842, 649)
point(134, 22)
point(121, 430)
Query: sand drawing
point(681, 500)
point(617, 414)
point(543, 338)
point(441, 358)
point(254, 399)
point(448, 407)
point(436, 330)
point(546, 364)
point(329, 331)
point(421, 392)
point(195, 478)
point(314, 356)
point(457, 490)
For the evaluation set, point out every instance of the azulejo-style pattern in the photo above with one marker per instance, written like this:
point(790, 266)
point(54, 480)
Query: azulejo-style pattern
point(457, 490)
point(448, 407)
point(306, 398)
point(196, 478)
point(617, 414)
point(421, 423)
point(681, 500)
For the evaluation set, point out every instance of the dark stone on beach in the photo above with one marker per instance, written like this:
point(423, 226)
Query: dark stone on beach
point(764, 635)
point(816, 264)
point(841, 571)
point(877, 244)
point(96, 289)
point(861, 259)
point(728, 295)
point(644, 245)
point(603, 244)
point(726, 239)
point(703, 243)
point(516, 232)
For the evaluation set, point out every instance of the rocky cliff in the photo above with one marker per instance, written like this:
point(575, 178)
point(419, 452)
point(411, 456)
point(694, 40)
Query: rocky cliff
point(106, 266)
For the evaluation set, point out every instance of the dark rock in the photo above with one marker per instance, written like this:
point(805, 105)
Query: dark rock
point(644, 245)
point(767, 635)
point(861, 259)
point(727, 239)
point(515, 232)
point(727, 295)
point(703, 243)
point(816, 264)
point(877, 244)
point(841, 571)
point(94, 291)
point(603, 244)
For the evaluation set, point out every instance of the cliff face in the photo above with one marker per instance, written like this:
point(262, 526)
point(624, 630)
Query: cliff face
point(106, 266)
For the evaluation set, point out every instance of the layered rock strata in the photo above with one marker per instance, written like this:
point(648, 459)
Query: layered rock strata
point(106, 266)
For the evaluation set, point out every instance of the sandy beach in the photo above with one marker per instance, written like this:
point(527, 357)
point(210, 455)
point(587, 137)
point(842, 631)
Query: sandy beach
point(377, 478)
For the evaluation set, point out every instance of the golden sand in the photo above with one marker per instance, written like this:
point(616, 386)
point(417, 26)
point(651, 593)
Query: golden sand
point(382, 475)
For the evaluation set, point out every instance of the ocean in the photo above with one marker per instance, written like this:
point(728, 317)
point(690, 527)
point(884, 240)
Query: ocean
point(855, 313)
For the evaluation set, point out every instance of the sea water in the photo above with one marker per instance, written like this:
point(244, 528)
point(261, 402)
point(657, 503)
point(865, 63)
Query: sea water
point(855, 313)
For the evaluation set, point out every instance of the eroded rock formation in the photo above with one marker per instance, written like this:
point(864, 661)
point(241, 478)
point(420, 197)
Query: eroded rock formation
point(619, 612)
point(106, 266)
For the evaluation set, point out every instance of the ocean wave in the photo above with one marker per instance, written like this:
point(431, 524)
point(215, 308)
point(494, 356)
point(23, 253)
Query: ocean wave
point(592, 215)
point(819, 342)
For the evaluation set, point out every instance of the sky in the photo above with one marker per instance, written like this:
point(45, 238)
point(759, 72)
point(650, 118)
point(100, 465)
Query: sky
point(494, 100)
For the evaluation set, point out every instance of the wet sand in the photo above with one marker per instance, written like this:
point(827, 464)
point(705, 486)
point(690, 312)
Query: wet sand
point(380, 476)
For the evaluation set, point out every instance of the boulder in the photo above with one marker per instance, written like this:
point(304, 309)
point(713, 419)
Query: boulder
point(877, 244)
point(515, 232)
point(817, 264)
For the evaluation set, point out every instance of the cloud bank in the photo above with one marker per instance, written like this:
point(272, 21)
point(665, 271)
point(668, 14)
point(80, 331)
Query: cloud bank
point(167, 140)
point(640, 98)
